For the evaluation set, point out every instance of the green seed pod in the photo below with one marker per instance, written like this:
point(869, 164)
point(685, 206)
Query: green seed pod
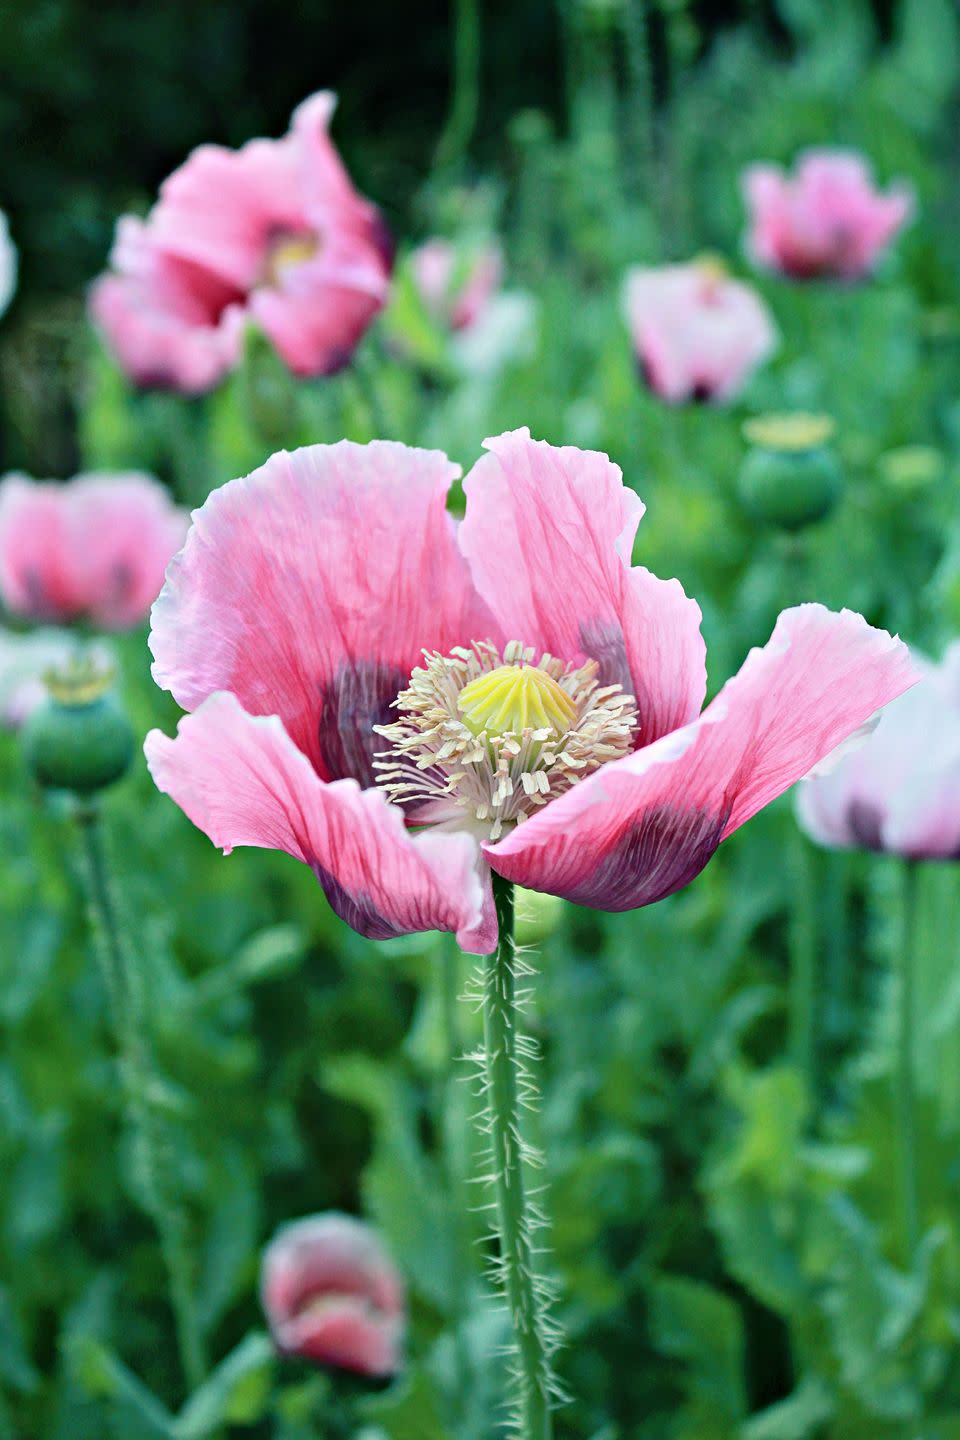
point(790, 477)
point(911, 468)
point(79, 738)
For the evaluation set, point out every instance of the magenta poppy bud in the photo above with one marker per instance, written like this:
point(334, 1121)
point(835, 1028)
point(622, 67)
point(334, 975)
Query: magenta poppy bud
point(333, 1296)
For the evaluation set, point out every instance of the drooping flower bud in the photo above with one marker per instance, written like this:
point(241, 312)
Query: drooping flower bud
point(79, 738)
point(332, 1295)
point(790, 476)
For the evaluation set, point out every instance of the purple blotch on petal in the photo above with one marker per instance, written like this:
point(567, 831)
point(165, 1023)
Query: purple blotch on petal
point(359, 911)
point(359, 697)
point(662, 852)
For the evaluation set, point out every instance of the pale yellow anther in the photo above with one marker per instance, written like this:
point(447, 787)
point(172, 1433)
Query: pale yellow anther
point(514, 698)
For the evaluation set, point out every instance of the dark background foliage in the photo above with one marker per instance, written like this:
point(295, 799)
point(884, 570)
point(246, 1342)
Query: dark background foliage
point(727, 1233)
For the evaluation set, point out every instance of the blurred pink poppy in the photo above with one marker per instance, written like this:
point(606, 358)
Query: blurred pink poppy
point(273, 232)
point(827, 219)
point(94, 548)
point(332, 1295)
point(899, 789)
point(456, 288)
point(698, 334)
point(553, 729)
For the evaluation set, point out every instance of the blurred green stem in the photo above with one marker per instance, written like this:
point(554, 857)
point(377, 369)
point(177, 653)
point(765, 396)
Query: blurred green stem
point(905, 1089)
point(465, 96)
point(507, 1086)
point(803, 963)
point(802, 926)
point(155, 1155)
point(837, 944)
point(365, 377)
point(634, 21)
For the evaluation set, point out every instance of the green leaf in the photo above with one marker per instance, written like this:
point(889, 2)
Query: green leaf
point(408, 1410)
point(237, 1392)
point(798, 1417)
point(697, 1324)
point(99, 1372)
point(16, 1367)
point(401, 1185)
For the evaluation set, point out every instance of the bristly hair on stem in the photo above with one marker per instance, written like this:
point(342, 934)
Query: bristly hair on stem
point(507, 1086)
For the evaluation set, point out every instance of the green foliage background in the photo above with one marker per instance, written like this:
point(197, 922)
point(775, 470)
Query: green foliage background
point(728, 1238)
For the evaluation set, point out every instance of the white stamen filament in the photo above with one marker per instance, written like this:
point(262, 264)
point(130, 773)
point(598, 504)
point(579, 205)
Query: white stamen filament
point(489, 779)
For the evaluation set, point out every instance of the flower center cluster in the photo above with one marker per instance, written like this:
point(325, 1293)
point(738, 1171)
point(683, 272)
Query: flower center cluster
point(485, 741)
point(288, 248)
point(713, 277)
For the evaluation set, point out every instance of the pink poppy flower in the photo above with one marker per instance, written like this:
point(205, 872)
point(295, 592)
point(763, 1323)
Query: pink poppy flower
point(827, 219)
point(554, 730)
point(273, 232)
point(171, 324)
point(332, 1295)
point(698, 334)
point(456, 288)
point(899, 789)
point(94, 548)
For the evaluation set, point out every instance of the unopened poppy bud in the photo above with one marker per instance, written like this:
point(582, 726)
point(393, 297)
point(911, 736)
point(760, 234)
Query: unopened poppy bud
point(790, 476)
point(79, 738)
point(332, 1295)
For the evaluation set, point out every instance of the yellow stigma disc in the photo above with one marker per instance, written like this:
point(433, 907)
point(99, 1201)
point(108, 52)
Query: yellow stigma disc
point(514, 698)
point(795, 433)
point(79, 681)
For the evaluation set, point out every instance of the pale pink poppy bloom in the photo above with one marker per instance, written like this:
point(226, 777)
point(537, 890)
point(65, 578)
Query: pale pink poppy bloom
point(899, 789)
point(456, 287)
point(94, 548)
point(332, 1295)
point(826, 219)
point(273, 232)
point(553, 730)
point(697, 333)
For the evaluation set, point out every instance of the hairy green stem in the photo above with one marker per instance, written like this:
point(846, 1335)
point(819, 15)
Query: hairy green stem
point(453, 1168)
point(465, 97)
point(517, 1221)
point(155, 1154)
point(904, 1083)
